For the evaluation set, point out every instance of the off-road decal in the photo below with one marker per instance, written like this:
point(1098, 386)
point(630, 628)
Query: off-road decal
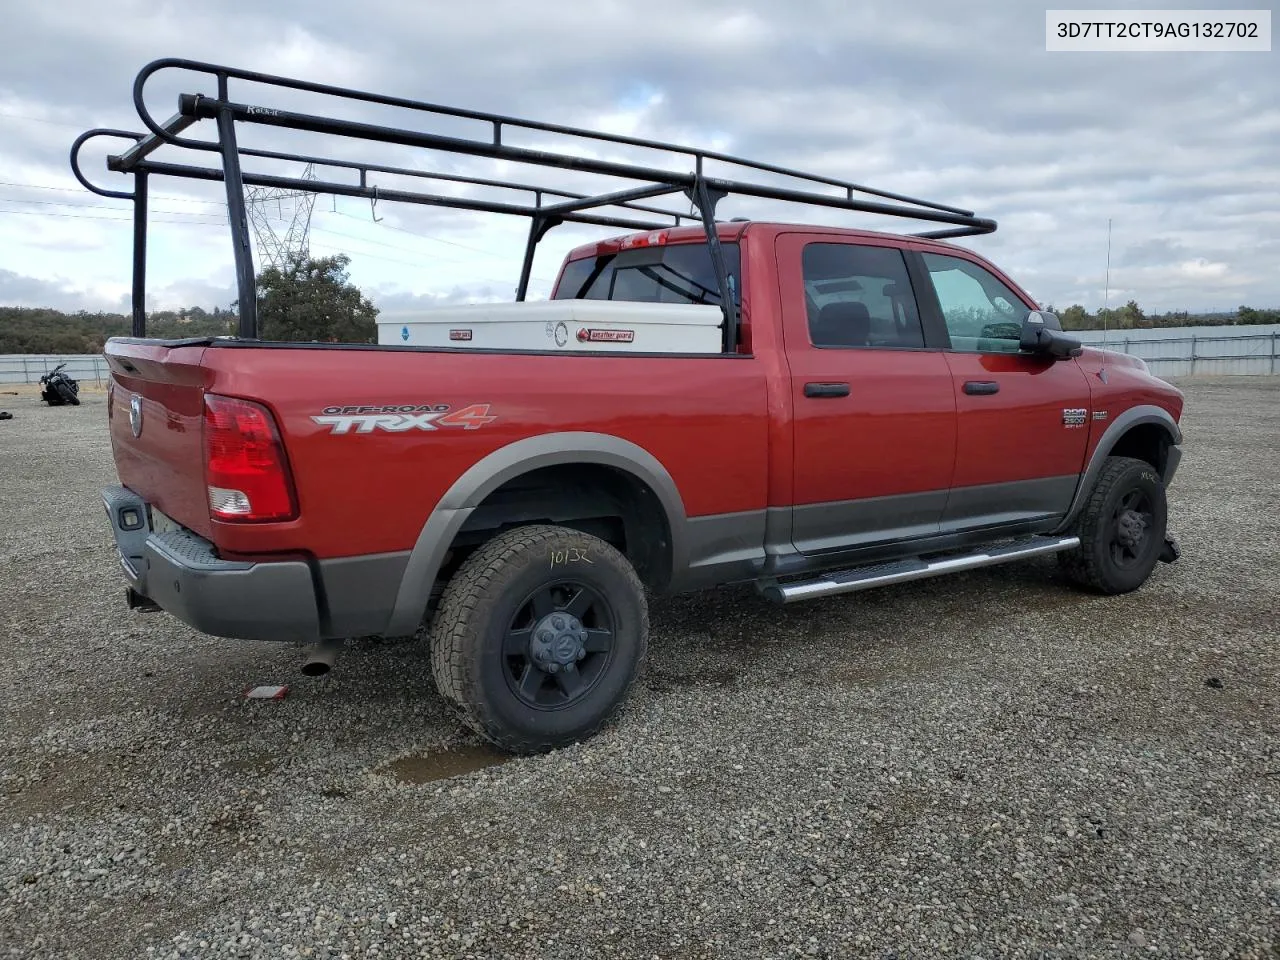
point(396, 418)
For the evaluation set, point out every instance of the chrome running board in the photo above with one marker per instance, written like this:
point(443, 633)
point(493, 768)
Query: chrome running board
point(903, 571)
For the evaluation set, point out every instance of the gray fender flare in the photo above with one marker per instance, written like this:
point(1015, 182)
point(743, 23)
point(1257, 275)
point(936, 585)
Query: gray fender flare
point(1133, 417)
point(507, 463)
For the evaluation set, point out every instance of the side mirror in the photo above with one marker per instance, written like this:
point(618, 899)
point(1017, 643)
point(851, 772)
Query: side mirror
point(1042, 335)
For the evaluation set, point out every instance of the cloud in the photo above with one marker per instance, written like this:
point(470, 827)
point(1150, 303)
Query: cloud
point(396, 303)
point(1153, 252)
point(959, 104)
point(17, 290)
point(1203, 270)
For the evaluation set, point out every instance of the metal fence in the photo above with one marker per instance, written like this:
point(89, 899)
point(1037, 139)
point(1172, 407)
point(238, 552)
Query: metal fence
point(1200, 355)
point(30, 367)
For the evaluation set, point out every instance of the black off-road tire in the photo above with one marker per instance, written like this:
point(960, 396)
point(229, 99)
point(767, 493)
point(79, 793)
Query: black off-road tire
point(1102, 562)
point(469, 636)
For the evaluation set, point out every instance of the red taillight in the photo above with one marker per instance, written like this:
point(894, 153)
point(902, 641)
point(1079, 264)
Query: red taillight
point(244, 463)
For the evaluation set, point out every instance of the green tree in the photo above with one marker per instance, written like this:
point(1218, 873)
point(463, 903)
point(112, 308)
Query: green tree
point(314, 299)
point(1132, 316)
point(1076, 317)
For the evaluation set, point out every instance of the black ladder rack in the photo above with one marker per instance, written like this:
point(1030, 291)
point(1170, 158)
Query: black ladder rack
point(547, 207)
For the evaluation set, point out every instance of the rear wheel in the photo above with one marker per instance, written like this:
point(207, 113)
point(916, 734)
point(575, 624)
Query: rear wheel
point(1121, 528)
point(538, 637)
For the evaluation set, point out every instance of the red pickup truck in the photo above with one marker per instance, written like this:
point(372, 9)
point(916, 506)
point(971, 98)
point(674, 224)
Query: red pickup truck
point(861, 435)
point(884, 408)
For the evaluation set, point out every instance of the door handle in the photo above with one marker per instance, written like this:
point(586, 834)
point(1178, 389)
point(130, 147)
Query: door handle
point(981, 388)
point(826, 389)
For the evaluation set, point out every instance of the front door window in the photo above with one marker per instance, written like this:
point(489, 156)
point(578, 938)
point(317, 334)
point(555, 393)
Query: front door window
point(982, 314)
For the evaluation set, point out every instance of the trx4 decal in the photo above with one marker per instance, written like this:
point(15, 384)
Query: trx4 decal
point(401, 418)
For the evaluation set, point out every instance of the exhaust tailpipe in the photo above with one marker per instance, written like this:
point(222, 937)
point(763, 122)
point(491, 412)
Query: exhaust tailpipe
point(320, 657)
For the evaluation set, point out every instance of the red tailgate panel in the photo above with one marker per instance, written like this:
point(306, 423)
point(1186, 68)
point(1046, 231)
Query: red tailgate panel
point(164, 463)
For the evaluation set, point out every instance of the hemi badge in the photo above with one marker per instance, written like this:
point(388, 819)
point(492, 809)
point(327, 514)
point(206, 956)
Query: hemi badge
point(605, 336)
point(1099, 414)
point(459, 334)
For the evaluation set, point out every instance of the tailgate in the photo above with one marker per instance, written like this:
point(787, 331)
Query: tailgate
point(156, 420)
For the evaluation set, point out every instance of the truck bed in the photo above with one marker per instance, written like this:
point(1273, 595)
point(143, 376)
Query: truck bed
point(368, 487)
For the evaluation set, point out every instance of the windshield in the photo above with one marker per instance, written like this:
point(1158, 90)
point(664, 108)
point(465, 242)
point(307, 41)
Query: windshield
point(675, 274)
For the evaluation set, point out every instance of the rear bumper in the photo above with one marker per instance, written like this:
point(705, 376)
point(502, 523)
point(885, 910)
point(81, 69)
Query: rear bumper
point(183, 575)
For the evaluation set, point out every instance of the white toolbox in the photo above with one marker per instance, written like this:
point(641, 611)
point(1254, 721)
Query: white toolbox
point(593, 325)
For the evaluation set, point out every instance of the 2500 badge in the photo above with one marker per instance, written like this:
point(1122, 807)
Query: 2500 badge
point(399, 418)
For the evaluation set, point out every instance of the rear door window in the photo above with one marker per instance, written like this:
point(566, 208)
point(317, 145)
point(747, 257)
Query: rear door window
point(859, 296)
point(674, 274)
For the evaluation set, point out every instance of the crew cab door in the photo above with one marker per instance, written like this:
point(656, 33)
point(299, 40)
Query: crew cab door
point(1023, 421)
point(874, 418)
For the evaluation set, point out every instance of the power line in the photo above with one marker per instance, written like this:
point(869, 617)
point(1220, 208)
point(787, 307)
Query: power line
point(376, 243)
point(201, 219)
point(423, 236)
point(91, 216)
point(23, 116)
point(103, 206)
point(414, 233)
point(106, 206)
point(209, 223)
point(407, 263)
point(81, 190)
point(391, 246)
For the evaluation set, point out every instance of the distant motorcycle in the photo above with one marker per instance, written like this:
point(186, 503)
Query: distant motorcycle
point(56, 388)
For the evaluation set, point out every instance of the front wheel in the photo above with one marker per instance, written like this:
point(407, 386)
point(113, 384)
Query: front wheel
point(538, 637)
point(1121, 528)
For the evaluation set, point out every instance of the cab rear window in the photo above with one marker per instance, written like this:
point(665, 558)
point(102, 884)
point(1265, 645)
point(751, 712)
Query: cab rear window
point(674, 274)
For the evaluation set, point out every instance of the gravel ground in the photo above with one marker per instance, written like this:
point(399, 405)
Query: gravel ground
point(988, 765)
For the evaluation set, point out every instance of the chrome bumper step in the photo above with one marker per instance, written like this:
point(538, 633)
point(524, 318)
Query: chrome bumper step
point(903, 571)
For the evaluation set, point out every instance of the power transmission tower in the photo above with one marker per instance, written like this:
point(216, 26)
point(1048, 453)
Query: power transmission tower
point(281, 221)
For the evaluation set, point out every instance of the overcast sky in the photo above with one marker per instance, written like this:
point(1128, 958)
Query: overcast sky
point(955, 102)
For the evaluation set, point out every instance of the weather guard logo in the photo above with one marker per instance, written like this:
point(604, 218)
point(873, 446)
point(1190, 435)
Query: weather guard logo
point(402, 418)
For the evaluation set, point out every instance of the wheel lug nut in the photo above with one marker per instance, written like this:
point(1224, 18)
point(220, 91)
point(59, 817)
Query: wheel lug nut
point(553, 668)
point(569, 668)
point(558, 622)
point(544, 636)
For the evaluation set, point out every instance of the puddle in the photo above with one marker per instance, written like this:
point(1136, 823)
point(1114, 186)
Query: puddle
point(443, 764)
